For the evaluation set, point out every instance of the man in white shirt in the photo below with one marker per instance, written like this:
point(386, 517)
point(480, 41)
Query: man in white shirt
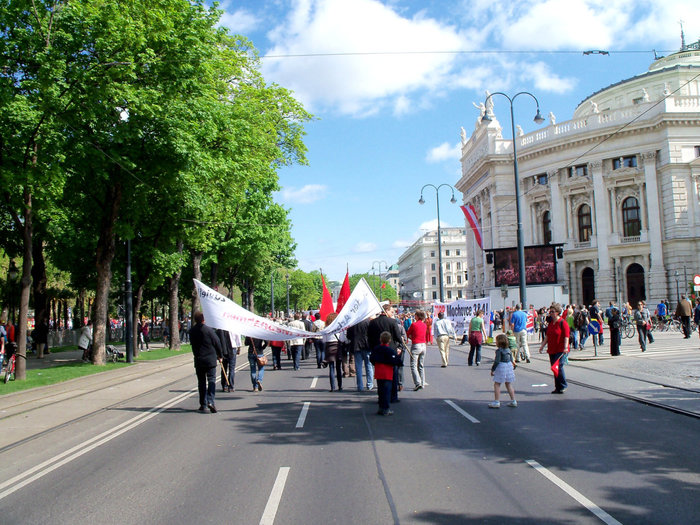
point(296, 346)
point(443, 331)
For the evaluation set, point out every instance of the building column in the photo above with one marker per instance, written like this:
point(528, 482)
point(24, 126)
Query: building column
point(613, 209)
point(643, 206)
point(555, 210)
point(658, 282)
point(605, 288)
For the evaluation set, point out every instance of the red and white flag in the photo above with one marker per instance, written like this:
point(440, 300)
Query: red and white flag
point(470, 214)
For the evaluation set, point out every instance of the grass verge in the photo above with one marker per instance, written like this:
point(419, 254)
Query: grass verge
point(67, 371)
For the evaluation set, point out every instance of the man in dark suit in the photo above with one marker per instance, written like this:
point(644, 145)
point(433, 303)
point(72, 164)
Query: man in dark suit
point(228, 365)
point(385, 322)
point(206, 348)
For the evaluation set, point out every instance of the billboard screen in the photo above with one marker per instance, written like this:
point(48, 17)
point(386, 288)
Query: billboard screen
point(540, 265)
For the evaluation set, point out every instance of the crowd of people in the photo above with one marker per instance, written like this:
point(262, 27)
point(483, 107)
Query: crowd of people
point(373, 352)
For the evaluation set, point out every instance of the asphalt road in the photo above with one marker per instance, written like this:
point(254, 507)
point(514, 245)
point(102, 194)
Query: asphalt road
point(298, 454)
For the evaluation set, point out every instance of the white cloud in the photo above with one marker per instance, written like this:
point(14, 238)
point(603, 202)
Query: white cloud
point(431, 225)
point(444, 152)
point(359, 84)
point(364, 247)
point(304, 195)
point(545, 80)
point(239, 21)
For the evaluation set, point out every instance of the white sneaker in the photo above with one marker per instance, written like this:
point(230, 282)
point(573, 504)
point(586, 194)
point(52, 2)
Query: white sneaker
point(513, 403)
point(495, 404)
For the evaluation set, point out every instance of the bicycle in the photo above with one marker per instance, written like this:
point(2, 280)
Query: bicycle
point(11, 361)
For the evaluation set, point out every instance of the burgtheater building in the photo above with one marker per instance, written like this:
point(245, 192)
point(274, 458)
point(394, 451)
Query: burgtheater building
point(614, 191)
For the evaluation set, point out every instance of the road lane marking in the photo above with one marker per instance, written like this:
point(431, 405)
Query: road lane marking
point(583, 500)
point(302, 416)
point(313, 382)
point(465, 414)
point(75, 452)
point(273, 502)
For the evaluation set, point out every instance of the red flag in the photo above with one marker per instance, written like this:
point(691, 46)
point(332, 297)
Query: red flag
point(326, 302)
point(555, 368)
point(383, 286)
point(344, 294)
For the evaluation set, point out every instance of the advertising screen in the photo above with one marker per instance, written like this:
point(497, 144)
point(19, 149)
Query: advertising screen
point(540, 265)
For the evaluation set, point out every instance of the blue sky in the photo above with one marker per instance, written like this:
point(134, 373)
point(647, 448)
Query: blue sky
point(391, 82)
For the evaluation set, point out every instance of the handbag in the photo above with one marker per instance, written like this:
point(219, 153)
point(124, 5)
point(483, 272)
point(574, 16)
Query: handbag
point(262, 360)
point(648, 326)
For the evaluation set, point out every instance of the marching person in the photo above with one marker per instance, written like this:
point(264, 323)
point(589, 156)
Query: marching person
point(642, 318)
point(256, 359)
point(385, 360)
point(684, 310)
point(443, 330)
point(419, 335)
point(477, 335)
point(230, 348)
point(557, 342)
point(385, 322)
point(296, 345)
point(206, 348)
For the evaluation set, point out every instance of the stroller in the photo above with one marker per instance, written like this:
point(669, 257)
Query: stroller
point(112, 354)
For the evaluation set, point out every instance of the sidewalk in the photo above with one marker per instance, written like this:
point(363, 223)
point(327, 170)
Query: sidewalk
point(668, 373)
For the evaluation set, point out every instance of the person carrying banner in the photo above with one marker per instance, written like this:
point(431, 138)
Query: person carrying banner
point(230, 348)
point(557, 342)
point(296, 345)
point(207, 351)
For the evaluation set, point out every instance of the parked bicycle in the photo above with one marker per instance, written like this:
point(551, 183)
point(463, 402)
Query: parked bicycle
point(11, 356)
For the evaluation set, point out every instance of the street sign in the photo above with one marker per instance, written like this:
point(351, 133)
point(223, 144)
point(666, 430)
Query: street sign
point(696, 280)
point(504, 290)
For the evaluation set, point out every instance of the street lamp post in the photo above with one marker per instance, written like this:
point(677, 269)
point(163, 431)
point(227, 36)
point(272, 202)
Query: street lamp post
point(287, 280)
point(678, 291)
point(379, 269)
point(521, 247)
point(439, 236)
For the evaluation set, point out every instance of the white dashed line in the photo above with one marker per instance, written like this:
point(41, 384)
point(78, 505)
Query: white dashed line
point(302, 416)
point(465, 414)
point(273, 502)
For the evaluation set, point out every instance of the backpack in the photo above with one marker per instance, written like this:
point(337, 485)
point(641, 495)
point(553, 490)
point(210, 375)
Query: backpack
point(580, 319)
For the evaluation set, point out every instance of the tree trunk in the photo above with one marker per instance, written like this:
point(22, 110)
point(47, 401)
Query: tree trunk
point(214, 275)
point(105, 256)
point(173, 306)
point(27, 230)
point(250, 291)
point(197, 272)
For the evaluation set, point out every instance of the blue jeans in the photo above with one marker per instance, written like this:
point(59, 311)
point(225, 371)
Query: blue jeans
point(474, 349)
point(574, 338)
point(583, 335)
point(277, 357)
point(318, 344)
point(384, 387)
point(206, 384)
point(559, 380)
point(335, 368)
point(362, 359)
point(256, 371)
point(296, 351)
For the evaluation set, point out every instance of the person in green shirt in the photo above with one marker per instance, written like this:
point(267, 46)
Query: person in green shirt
point(477, 335)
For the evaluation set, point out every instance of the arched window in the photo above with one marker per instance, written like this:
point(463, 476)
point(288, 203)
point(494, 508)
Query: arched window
point(585, 228)
point(547, 227)
point(631, 223)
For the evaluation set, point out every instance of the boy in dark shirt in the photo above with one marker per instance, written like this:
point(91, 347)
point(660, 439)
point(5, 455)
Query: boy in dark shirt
point(384, 358)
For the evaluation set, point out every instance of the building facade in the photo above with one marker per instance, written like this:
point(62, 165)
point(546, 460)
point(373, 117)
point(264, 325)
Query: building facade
point(419, 280)
point(617, 186)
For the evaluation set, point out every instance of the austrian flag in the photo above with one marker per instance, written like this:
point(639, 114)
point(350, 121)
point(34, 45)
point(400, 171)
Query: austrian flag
point(470, 214)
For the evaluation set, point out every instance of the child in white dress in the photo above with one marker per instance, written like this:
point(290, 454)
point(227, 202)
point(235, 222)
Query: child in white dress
point(502, 371)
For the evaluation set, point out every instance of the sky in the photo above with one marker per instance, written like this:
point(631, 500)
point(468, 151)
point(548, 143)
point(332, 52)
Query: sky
point(391, 83)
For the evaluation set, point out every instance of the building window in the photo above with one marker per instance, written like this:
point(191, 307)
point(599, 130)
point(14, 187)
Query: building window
point(447, 266)
point(585, 229)
point(547, 227)
point(697, 151)
point(459, 279)
point(432, 253)
point(434, 295)
point(625, 162)
point(578, 171)
point(449, 279)
point(459, 265)
point(541, 179)
point(458, 252)
point(631, 222)
point(447, 253)
point(449, 294)
point(433, 280)
point(432, 266)
point(459, 293)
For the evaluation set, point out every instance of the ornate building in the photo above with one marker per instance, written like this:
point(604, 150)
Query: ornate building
point(418, 268)
point(617, 186)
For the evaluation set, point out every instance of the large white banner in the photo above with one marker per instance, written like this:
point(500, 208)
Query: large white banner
point(461, 311)
point(220, 312)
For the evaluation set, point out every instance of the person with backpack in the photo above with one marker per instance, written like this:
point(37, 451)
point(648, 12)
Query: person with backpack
point(581, 324)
